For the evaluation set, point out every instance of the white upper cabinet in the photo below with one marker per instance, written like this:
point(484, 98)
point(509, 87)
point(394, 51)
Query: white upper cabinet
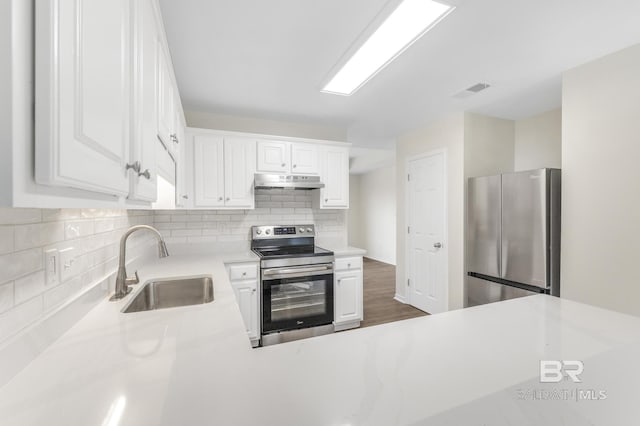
point(304, 159)
point(239, 165)
point(166, 100)
point(274, 157)
point(296, 158)
point(208, 155)
point(223, 173)
point(145, 62)
point(83, 94)
point(334, 172)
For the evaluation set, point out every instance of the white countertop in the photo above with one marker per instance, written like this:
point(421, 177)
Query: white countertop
point(195, 366)
point(342, 251)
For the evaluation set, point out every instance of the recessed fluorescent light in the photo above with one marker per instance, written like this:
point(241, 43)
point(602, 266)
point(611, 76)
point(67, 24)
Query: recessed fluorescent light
point(406, 24)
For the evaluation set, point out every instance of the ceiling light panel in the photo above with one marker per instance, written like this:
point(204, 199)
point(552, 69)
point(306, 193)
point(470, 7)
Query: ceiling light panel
point(406, 24)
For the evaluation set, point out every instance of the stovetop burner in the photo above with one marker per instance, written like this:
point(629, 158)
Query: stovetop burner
point(290, 251)
point(286, 245)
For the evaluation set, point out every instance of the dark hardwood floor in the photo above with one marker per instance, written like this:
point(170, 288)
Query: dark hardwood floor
point(379, 288)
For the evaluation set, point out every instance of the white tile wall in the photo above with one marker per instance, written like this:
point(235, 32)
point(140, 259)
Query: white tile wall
point(273, 207)
point(24, 236)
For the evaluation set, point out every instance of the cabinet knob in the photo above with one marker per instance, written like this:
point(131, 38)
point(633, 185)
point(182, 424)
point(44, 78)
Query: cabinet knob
point(253, 290)
point(174, 138)
point(326, 200)
point(437, 245)
point(283, 164)
point(228, 198)
point(244, 274)
point(219, 198)
point(186, 197)
point(348, 265)
point(295, 165)
point(145, 174)
point(134, 166)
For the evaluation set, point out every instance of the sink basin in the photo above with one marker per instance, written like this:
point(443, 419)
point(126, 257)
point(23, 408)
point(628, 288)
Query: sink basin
point(161, 294)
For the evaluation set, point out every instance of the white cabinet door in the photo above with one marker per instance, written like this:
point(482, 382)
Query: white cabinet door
point(182, 168)
point(335, 175)
point(166, 100)
point(239, 164)
point(208, 171)
point(274, 157)
point(247, 297)
point(304, 159)
point(144, 141)
point(348, 296)
point(83, 94)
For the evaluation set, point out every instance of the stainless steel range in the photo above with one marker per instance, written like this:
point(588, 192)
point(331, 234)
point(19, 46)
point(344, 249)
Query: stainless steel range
point(296, 283)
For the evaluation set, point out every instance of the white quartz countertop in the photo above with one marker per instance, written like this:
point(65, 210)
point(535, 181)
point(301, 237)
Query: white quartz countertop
point(195, 366)
point(342, 251)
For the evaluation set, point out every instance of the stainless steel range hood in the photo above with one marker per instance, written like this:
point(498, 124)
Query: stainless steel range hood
point(273, 181)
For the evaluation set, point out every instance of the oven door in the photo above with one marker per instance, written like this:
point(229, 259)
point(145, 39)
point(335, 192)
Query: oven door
point(296, 297)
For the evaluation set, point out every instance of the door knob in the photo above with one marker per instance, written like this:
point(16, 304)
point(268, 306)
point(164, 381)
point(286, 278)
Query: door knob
point(437, 245)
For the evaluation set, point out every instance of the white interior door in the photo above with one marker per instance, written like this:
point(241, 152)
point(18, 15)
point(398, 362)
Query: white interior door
point(426, 245)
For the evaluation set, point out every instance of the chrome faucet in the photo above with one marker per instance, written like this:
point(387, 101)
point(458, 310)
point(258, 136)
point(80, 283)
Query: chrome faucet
point(122, 280)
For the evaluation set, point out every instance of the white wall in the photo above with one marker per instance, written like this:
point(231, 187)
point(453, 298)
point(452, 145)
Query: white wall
point(206, 120)
point(601, 182)
point(538, 141)
point(448, 134)
point(372, 221)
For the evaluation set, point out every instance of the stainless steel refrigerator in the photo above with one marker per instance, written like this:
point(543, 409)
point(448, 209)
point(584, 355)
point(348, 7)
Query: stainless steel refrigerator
point(513, 236)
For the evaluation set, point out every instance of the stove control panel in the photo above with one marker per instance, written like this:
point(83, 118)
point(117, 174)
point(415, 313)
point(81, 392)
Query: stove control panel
point(289, 231)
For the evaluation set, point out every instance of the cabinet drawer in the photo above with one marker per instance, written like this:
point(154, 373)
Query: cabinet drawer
point(348, 264)
point(242, 272)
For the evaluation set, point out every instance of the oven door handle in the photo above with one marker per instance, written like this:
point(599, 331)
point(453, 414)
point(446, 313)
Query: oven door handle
point(293, 272)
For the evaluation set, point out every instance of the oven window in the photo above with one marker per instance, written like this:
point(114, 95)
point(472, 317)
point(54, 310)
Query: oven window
point(300, 299)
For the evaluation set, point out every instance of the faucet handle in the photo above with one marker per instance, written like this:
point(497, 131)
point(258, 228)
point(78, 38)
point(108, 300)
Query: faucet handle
point(134, 280)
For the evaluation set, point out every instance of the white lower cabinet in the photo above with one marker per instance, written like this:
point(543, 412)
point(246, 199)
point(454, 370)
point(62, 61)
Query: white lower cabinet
point(244, 281)
point(348, 305)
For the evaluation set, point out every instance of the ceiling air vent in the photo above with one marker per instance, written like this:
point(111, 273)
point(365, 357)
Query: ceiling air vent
point(470, 91)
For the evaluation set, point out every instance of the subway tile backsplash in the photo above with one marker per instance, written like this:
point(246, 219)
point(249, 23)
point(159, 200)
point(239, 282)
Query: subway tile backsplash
point(273, 207)
point(25, 234)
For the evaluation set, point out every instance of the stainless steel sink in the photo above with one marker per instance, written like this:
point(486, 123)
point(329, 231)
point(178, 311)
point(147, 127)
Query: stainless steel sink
point(163, 294)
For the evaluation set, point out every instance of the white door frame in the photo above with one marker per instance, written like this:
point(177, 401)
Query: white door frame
point(445, 243)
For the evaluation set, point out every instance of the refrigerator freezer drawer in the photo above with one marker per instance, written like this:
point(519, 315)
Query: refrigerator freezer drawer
point(481, 292)
point(483, 225)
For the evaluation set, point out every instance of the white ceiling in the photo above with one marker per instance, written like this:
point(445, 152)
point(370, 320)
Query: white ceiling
point(268, 59)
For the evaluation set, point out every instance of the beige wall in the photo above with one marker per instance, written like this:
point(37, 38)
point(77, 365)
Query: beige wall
point(206, 120)
point(372, 219)
point(488, 145)
point(448, 134)
point(538, 141)
point(355, 225)
point(601, 182)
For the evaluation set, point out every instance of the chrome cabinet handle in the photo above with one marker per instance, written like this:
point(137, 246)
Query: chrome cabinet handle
point(134, 166)
point(145, 174)
point(174, 138)
point(219, 198)
point(186, 197)
point(437, 245)
point(253, 290)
